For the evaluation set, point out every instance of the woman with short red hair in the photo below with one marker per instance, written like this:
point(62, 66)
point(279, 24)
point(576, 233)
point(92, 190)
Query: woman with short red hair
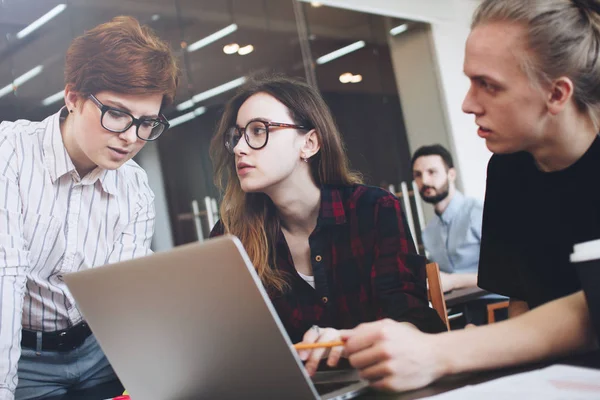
point(72, 198)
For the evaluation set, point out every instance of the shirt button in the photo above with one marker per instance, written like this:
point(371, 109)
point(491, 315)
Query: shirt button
point(324, 299)
point(318, 258)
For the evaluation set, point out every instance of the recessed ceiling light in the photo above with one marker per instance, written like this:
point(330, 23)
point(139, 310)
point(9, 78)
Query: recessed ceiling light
point(246, 50)
point(231, 48)
point(316, 3)
point(345, 77)
point(348, 77)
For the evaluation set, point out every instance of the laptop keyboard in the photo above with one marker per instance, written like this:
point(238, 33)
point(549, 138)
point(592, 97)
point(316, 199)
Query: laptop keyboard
point(328, 387)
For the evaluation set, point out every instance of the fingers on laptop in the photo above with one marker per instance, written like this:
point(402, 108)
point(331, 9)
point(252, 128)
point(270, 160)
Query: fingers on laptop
point(312, 357)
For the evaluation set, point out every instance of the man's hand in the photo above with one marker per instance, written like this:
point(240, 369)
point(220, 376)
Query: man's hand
point(448, 281)
point(393, 355)
point(457, 281)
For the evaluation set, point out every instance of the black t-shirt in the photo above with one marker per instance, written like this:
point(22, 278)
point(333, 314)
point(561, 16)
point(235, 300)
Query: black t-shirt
point(532, 219)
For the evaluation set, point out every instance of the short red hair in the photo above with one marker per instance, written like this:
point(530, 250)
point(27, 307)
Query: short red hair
point(124, 57)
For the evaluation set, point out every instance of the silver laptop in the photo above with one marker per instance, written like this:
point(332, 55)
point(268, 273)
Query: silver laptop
point(196, 323)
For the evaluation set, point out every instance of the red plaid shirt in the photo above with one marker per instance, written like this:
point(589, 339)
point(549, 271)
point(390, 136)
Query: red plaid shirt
point(364, 264)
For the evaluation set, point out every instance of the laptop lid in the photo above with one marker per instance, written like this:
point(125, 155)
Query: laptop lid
point(194, 322)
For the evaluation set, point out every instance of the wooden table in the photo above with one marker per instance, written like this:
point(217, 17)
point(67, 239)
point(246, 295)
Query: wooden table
point(460, 296)
point(590, 360)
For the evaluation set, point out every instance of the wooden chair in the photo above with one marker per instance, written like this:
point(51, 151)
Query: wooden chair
point(491, 308)
point(436, 293)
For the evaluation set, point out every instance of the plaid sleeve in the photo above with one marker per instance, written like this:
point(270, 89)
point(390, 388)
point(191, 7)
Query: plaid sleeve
point(398, 272)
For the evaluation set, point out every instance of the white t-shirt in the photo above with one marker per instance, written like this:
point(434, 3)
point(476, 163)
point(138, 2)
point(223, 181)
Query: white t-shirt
point(309, 279)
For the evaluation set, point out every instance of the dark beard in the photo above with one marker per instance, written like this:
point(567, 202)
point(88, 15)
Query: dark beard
point(435, 199)
point(442, 194)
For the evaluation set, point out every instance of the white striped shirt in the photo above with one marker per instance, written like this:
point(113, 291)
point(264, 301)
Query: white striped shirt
point(52, 223)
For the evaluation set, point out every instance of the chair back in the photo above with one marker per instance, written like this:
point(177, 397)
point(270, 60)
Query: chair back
point(491, 310)
point(436, 293)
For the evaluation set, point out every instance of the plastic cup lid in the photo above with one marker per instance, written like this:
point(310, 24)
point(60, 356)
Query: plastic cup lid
point(586, 251)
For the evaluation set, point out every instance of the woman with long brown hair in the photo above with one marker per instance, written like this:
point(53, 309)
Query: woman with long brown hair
point(330, 251)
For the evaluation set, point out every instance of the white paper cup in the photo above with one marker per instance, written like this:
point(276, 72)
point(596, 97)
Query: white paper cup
point(586, 258)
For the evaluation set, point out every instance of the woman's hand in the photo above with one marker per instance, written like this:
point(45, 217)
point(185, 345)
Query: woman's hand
point(312, 357)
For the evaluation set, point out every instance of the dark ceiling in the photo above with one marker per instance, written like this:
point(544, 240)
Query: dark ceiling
point(269, 25)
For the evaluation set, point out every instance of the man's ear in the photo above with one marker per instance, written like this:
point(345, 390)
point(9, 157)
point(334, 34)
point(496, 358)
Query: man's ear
point(452, 175)
point(312, 144)
point(561, 92)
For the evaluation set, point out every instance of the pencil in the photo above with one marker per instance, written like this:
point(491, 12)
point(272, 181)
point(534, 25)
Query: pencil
point(309, 346)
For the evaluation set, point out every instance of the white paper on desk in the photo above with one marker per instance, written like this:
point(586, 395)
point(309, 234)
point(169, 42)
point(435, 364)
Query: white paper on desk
point(558, 382)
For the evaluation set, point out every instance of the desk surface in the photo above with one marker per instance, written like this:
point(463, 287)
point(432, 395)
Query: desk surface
point(590, 360)
point(460, 296)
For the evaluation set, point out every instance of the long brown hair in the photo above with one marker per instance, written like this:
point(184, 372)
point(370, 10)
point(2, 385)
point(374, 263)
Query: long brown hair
point(252, 216)
point(563, 37)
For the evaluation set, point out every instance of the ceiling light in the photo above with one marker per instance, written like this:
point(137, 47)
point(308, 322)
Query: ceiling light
point(155, 17)
point(187, 117)
point(231, 48)
point(212, 38)
point(246, 50)
point(346, 77)
point(316, 3)
point(54, 98)
point(341, 52)
point(21, 80)
point(41, 21)
point(399, 29)
point(211, 93)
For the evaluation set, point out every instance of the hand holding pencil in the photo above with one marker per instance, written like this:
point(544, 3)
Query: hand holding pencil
point(316, 343)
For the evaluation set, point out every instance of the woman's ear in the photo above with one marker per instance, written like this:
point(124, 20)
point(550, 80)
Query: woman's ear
point(72, 99)
point(311, 145)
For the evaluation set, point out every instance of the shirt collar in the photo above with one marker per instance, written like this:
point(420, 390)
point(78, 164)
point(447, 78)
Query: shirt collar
point(59, 163)
point(453, 208)
point(332, 210)
point(57, 160)
point(109, 179)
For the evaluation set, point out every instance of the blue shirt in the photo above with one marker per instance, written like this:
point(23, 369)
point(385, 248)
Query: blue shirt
point(453, 238)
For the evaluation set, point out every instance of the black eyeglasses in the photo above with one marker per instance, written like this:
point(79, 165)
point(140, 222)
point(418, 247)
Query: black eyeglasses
point(256, 133)
point(119, 121)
